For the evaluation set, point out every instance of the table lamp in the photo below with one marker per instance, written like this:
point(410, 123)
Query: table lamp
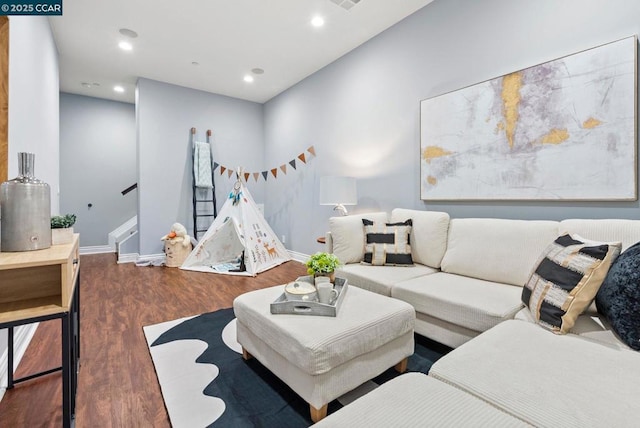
point(338, 191)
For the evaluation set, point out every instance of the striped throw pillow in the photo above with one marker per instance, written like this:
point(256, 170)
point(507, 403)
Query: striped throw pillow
point(387, 243)
point(566, 280)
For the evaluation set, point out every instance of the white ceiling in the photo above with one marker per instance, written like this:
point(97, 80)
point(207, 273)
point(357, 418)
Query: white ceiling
point(227, 38)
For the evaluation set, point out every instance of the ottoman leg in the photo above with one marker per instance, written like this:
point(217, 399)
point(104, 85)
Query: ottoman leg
point(401, 367)
point(318, 414)
point(246, 355)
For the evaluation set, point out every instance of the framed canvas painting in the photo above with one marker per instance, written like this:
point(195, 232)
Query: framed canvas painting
point(562, 130)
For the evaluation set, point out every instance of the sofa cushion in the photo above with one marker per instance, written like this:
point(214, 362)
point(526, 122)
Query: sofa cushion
point(496, 249)
point(414, 400)
point(387, 243)
point(547, 379)
point(380, 279)
point(619, 297)
point(347, 235)
point(472, 303)
point(590, 326)
point(428, 234)
point(625, 231)
point(566, 280)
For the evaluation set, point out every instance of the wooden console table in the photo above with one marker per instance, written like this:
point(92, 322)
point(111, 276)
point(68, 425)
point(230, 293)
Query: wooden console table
point(39, 286)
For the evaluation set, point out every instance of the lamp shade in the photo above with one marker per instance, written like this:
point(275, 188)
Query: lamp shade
point(338, 191)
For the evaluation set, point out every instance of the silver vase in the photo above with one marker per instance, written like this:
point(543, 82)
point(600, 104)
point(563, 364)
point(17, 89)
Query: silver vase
point(25, 210)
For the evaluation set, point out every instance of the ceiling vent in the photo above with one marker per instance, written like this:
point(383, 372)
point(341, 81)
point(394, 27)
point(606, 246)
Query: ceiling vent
point(346, 4)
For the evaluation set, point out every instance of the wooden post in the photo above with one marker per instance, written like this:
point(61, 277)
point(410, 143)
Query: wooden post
point(4, 98)
point(318, 414)
point(401, 367)
point(246, 355)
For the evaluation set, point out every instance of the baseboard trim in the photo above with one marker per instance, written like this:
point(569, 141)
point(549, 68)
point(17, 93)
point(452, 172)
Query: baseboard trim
point(151, 260)
point(22, 336)
point(98, 249)
point(299, 257)
point(128, 258)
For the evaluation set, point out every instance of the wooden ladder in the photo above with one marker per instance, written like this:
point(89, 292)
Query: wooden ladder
point(204, 200)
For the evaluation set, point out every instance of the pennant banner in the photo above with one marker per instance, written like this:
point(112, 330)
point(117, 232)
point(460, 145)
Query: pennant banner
point(303, 157)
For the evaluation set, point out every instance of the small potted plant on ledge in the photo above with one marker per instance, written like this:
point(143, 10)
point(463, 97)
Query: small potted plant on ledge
point(61, 229)
point(323, 264)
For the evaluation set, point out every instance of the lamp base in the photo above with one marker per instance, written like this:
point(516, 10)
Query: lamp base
point(341, 208)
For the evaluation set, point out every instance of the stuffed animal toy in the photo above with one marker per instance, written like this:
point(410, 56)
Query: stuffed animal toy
point(177, 235)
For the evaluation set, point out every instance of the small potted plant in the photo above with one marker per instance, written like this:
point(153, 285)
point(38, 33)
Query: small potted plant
point(323, 264)
point(61, 229)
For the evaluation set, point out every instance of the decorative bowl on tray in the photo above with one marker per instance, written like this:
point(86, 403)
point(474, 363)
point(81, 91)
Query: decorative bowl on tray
point(300, 290)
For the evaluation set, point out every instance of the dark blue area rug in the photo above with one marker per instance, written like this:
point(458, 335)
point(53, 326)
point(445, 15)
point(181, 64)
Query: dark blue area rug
point(205, 381)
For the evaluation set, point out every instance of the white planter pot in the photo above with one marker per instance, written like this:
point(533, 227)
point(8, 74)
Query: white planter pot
point(61, 236)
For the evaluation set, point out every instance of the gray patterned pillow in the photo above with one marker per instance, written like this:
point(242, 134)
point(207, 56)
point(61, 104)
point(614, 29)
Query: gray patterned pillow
point(566, 280)
point(387, 243)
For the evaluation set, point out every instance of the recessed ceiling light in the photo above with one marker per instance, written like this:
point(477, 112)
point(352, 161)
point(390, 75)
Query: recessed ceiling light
point(125, 46)
point(248, 78)
point(257, 71)
point(118, 88)
point(128, 33)
point(317, 21)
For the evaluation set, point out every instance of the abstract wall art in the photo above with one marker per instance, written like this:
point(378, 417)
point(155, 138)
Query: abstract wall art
point(562, 130)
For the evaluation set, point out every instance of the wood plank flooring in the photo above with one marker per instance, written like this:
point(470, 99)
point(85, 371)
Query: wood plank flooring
point(117, 384)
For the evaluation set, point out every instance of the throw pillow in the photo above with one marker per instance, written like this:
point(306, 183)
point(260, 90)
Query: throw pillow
point(348, 236)
point(566, 279)
point(619, 297)
point(387, 243)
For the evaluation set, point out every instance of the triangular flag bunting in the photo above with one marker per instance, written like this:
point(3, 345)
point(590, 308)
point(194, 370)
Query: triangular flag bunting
point(215, 165)
point(274, 171)
point(312, 151)
point(265, 174)
point(302, 158)
point(256, 175)
point(246, 176)
point(229, 172)
point(222, 169)
point(284, 168)
point(293, 163)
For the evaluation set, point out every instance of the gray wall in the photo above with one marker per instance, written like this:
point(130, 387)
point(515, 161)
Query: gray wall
point(165, 115)
point(362, 111)
point(33, 108)
point(33, 99)
point(97, 162)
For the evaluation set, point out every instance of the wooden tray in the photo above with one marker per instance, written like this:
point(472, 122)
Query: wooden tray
point(305, 307)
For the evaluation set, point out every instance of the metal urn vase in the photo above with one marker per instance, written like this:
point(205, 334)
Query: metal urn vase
point(25, 210)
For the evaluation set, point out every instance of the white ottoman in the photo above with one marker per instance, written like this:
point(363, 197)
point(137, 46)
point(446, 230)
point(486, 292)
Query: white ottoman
point(322, 358)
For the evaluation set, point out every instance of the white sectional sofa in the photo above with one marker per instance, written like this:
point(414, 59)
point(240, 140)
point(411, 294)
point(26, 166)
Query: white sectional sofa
point(467, 281)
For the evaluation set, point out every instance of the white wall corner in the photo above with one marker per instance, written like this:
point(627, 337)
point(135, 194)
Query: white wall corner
point(123, 232)
point(299, 257)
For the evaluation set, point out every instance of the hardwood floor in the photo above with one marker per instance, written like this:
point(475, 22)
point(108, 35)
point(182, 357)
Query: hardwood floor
point(117, 384)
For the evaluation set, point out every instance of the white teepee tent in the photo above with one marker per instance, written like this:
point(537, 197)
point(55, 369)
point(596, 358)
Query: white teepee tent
point(239, 229)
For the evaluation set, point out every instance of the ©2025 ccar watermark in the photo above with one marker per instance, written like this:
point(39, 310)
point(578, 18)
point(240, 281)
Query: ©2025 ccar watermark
point(37, 7)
